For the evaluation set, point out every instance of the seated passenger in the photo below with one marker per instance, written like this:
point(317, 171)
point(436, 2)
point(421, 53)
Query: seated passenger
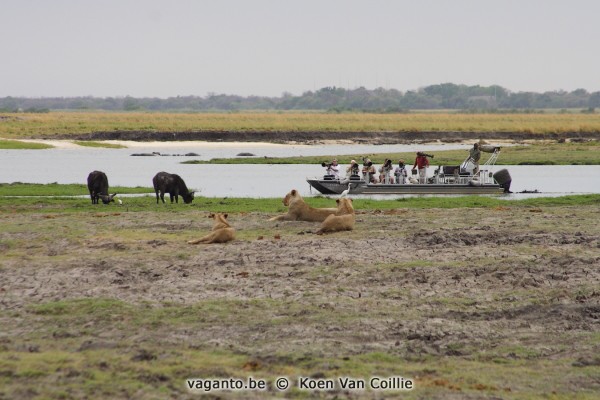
point(352, 168)
point(332, 168)
point(368, 171)
point(352, 173)
point(385, 172)
point(335, 168)
point(400, 173)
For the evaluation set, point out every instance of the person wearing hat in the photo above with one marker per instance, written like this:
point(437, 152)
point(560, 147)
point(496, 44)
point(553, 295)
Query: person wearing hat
point(400, 173)
point(351, 173)
point(421, 163)
point(385, 172)
point(352, 168)
point(368, 171)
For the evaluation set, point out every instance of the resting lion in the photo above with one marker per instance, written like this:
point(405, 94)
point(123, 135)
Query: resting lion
point(342, 221)
point(222, 232)
point(300, 211)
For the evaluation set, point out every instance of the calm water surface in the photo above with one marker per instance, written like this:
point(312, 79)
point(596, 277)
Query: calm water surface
point(73, 164)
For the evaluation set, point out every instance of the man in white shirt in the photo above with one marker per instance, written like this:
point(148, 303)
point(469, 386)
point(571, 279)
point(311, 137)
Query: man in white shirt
point(400, 173)
point(333, 168)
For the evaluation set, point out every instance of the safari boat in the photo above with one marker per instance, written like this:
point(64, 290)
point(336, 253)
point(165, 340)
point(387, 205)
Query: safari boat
point(457, 180)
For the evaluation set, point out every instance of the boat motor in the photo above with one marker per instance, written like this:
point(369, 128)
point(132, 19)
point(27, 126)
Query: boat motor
point(504, 180)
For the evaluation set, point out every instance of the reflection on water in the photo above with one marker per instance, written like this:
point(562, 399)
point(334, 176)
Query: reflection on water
point(73, 165)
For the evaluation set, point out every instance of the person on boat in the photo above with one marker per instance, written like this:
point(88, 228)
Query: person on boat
point(352, 168)
point(335, 168)
point(421, 164)
point(368, 171)
point(475, 156)
point(400, 173)
point(385, 172)
point(332, 168)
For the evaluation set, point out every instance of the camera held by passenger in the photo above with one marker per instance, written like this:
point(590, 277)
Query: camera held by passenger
point(425, 154)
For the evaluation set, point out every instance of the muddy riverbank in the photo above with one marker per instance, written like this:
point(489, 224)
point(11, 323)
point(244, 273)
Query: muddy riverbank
point(320, 136)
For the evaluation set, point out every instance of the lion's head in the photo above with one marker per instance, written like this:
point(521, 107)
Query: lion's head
point(220, 221)
point(344, 206)
point(291, 197)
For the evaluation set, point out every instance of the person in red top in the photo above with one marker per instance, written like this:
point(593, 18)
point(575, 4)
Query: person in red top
point(421, 162)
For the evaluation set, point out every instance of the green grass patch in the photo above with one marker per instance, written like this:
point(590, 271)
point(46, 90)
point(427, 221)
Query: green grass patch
point(19, 145)
point(408, 264)
point(86, 143)
point(173, 316)
point(58, 203)
point(55, 189)
point(96, 308)
point(454, 303)
point(117, 373)
point(538, 154)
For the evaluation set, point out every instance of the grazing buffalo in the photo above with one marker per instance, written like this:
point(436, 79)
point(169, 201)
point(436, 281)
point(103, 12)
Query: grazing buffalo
point(173, 184)
point(98, 186)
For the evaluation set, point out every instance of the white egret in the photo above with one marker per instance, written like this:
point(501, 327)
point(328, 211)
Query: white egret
point(346, 192)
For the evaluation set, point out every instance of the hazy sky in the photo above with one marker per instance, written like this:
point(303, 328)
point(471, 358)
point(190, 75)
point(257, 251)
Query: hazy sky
point(163, 48)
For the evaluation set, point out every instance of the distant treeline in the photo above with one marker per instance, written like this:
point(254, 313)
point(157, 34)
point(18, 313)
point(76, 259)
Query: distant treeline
point(332, 99)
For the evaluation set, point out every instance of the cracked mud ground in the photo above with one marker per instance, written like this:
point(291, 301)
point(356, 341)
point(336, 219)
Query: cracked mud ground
point(471, 303)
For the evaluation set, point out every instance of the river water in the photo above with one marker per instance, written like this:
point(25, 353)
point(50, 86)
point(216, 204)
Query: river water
point(71, 164)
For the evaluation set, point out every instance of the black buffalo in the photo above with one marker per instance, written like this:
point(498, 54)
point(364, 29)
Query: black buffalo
point(98, 186)
point(173, 184)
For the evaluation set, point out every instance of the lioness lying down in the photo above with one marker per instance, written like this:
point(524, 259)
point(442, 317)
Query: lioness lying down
point(300, 211)
point(222, 232)
point(343, 221)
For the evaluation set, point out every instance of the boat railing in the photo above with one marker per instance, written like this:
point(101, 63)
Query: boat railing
point(468, 165)
point(483, 177)
point(492, 160)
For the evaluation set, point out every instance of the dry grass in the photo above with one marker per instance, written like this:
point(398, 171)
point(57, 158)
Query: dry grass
point(51, 124)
